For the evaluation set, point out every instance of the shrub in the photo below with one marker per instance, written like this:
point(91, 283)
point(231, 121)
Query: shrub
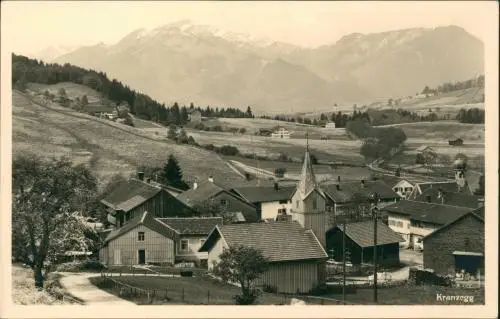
point(248, 299)
point(229, 150)
point(243, 130)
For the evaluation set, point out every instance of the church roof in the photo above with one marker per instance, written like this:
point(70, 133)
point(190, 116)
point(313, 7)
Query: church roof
point(307, 183)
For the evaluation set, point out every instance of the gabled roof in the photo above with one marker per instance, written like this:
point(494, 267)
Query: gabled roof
point(446, 186)
point(307, 183)
point(264, 194)
point(362, 233)
point(472, 178)
point(130, 194)
point(427, 212)
point(350, 190)
point(448, 198)
point(278, 241)
point(478, 214)
point(425, 148)
point(147, 220)
point(192, 225)
point(203, 192)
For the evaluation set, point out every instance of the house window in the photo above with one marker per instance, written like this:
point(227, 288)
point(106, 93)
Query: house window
point(297, 204)
point(223, 202)
point(184, 244)
point(281, 211)
point(127, 216)
point(140, 236)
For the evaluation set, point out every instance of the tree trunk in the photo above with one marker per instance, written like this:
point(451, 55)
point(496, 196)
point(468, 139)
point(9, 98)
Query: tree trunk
point(38, 276)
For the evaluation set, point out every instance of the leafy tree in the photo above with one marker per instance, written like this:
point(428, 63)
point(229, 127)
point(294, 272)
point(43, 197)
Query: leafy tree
point(171, 174)
point(249, 112)
point(20, 85)
point(128, 121)
point(45, 196)
point(182, 137)
point(242, 265)
point(280, 172)
point(243, 130)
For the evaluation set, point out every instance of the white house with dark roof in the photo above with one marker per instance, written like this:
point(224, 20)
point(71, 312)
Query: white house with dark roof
point(295, 248)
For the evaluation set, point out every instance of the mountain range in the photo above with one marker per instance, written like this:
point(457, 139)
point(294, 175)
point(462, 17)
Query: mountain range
point(185, 62)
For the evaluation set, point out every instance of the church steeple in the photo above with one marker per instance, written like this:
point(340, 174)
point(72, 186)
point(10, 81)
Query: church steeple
point(307, 182)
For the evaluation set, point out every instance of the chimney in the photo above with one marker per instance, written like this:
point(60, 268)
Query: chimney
point(338, 186)
point(210, 179)
point(195, 185)
point(276, 186)
point(428, 198)
point(140, 176)
point(480, 202)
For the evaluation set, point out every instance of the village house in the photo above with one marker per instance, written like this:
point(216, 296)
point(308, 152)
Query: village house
point(458, 245)
point(208, 193)
point(359, 243)
point(300, 240)
point(143, 240)
point(414, 220)
point(270, 201)
point(403, 188)
point(101, 111)
point(133, 197)
point(343, 198)
point(195, 116)
point(439, 196)
point(192, 234)
point(281, 133)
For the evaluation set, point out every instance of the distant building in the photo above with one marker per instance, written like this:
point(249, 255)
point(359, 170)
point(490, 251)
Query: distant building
point(426, 149)
point(458, 245)
point(330, 125)
point(101, 111)
point(281, 133)
point(360, 245)
point(195, 116)
point(439, 196)
point(414, 220)
point(457, 142)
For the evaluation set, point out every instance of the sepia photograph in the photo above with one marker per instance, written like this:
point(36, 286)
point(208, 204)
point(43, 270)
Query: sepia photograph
point(306, 155)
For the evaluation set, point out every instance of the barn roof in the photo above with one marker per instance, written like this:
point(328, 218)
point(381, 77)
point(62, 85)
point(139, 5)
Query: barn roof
point(427, 212)
point(278, 241)
point(130, 194)
point(446, 186)
point(203, 192)
point(349, 190)
point(192, 225)
point(362, 233)
point(478, 214)
point(147, 220)
point(449, 198)
point(264, 194)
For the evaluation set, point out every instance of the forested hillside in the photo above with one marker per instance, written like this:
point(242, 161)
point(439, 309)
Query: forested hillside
point(26, 70)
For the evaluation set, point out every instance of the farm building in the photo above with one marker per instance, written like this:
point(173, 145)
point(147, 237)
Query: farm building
point(438, 196)
point(446, 186)
point(195, 116)
point(135, 196)
point(403, 188)
point(209, 193)
point(360, 244)
point(426, 149)
point(192, 234)
point(414, 220)
point(101, 111)
point(281, 133)
point(458, 245)
point(343, 197)
point(296, 259)
point(457, 142)
point(265, 132)
point(270, 201)
point(330, 125)
point(143, 240)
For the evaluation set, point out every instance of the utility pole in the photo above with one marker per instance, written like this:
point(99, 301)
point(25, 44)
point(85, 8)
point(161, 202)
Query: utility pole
point(343, 261)
point(374, 198)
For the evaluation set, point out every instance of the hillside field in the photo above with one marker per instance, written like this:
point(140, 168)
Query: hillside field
point(109, 148)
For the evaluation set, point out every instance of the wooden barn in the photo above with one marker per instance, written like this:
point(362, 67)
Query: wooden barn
point(458, 245)
point(360, 245)
point(143, 240)
point(133, 197)
point(457, 142)
point(296, 258)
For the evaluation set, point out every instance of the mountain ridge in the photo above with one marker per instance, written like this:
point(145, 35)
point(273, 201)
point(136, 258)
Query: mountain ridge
point(185, 62)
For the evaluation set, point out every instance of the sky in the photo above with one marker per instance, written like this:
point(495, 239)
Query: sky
point(37, 25)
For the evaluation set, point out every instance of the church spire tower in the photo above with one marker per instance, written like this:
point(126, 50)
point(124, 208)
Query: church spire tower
point(308, 200)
